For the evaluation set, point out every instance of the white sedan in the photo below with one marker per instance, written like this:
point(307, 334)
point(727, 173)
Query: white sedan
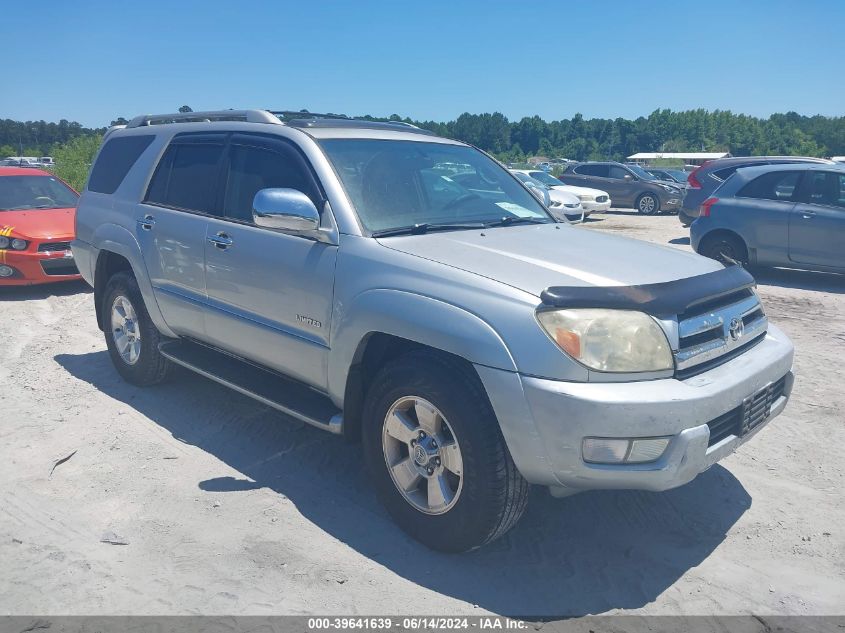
point(562, 204)
point(593, 200)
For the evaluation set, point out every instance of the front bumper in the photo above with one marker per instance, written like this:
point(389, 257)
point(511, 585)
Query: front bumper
point(595, 207)
point(672, 202)
point(545, 421)
point(34, 266)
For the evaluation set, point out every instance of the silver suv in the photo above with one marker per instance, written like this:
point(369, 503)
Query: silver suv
point(407, 292)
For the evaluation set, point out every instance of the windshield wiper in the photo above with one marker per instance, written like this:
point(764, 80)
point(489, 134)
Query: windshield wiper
point(517, 220)
point(425, 227)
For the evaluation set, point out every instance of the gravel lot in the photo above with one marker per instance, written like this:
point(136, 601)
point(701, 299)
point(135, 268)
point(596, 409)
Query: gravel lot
point(227, 507)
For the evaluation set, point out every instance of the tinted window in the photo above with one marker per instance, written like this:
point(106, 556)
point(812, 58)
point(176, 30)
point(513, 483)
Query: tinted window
point(252, 169)
point(727, 172)
point(186, 177)
point(114, 161)
point(617, 172)
point(826, 188)
point(776, 185)
point(592, 170)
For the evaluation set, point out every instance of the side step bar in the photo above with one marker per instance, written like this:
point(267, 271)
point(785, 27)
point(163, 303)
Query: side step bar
point(268, 387)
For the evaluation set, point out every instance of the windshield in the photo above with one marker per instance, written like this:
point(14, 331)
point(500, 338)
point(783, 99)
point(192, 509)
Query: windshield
point(35, 192)
point(395, 184)
point(642, 173)
point(546, 178)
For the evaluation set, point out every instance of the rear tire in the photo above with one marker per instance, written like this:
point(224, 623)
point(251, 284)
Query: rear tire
point(131, 336)
point(725, 248)
point(459, 511)
point(648, 204)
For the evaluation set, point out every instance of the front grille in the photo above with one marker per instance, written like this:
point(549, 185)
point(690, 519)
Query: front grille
point(56, 267)
point(52, 247)
point(601, 198)
point(713, 332)
point(753, 411)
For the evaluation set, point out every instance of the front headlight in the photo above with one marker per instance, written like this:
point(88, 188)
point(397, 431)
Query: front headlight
point(609, 340)
point(671, 189)
point(572, 206)
point(19, 244)
point(4, 241)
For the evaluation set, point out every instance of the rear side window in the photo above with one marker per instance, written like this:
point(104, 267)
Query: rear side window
point(724, 174)
point(776, 185)
point(592, 170)
point(186, 177)
point(115, 160)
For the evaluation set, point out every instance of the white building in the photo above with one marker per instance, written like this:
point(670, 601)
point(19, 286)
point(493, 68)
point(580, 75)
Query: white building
point(689, 158)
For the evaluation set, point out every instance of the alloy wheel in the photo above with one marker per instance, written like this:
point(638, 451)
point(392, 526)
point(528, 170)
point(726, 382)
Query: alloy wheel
point(125, 330)
point(422, 455)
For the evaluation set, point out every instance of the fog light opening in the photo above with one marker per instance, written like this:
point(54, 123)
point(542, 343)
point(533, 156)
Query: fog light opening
point(6, 271)
point(635, 450)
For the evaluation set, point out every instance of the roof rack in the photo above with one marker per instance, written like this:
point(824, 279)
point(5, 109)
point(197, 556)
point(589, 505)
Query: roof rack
point(316, 120)
point(249, 116)
point(276, 117)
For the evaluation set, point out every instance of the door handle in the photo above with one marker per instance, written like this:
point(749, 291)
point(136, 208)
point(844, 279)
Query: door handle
point(808, 215)
point(220, 240)
point(147, 223)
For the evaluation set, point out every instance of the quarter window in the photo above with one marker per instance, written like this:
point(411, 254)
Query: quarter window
point(115, 160)
point(186, 177)
point(776, 185)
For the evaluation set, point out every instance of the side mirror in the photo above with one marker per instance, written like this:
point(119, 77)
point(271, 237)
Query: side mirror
point(285, 209)
point(628, 177)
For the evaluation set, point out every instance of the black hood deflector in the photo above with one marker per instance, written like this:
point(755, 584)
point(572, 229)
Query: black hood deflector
point(661, 299)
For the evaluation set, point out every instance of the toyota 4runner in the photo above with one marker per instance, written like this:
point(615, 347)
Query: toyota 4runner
point(339, 271)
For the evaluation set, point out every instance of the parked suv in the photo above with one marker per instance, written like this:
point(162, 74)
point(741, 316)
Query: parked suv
point(474, 345)
point(629, 186)
point(704, 180)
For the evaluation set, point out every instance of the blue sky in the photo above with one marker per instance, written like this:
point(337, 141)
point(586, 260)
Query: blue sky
point(94, 60)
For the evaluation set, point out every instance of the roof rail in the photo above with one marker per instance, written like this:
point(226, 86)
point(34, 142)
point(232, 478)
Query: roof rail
point(315, 120)
point(250, 116)
point(294, 114)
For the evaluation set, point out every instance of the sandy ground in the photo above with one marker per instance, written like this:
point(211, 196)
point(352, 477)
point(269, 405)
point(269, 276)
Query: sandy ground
point(229, 508)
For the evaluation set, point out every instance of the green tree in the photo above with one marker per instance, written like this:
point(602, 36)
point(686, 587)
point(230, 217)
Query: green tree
point(73, 159)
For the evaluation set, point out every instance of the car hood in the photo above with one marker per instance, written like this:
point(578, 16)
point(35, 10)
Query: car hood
point(535, 257)
point(39, 223)
point(580, 191)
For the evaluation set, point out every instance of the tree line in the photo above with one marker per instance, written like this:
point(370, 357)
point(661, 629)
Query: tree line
point(661, 131)
point(576, 138)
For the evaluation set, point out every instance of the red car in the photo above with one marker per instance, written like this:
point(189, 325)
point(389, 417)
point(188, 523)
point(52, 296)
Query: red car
point(37, 213)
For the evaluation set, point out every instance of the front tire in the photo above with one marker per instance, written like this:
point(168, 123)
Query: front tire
point(436, 455)
point(131, 337)
point(648, 204)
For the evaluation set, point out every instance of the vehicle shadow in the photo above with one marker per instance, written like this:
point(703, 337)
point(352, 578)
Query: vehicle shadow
point(585, 554)
point(799, 279)
point(42, 291)
point(680, 240)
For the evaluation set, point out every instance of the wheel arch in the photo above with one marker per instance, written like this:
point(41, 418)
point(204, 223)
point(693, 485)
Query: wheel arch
point(380, 325)
point(723, 232)
point(118, 250)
